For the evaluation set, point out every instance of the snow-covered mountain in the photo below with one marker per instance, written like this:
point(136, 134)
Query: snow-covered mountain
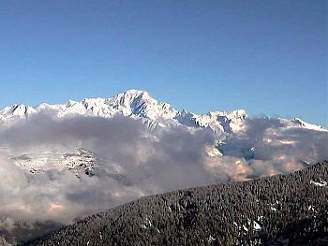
point(132, 103)
point(137, 105)
point(82, 161)
point(140, 105)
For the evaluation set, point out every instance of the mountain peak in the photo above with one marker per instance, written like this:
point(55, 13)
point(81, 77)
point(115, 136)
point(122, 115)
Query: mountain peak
point(16, 111)
point(136, 92)
point(140, 103)
point(131, 96)
point(304, 124)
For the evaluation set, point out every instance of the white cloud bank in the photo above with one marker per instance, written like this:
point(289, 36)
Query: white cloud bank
point(132, 162)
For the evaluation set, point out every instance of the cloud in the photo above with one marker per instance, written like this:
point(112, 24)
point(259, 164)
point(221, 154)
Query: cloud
point(133, 162)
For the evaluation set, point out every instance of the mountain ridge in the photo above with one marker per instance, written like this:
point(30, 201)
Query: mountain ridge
point(138, 104)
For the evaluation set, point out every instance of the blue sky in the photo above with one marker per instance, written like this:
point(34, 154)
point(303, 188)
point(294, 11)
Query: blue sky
point(269, 57)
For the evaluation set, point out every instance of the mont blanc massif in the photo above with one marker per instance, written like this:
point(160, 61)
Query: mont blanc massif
point(61, 163)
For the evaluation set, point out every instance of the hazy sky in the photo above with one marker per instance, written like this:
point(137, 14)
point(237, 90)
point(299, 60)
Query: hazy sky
point(265, 56)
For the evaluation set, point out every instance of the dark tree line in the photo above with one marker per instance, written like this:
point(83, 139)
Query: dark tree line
point(280, 210)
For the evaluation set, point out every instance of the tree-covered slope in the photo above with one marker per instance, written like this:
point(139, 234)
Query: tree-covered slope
point(280, 210)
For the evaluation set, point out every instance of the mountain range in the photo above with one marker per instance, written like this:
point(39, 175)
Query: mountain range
point(137, 105)
point(140, 105)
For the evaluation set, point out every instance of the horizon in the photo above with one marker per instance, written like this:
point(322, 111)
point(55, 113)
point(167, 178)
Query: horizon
point(267, 58)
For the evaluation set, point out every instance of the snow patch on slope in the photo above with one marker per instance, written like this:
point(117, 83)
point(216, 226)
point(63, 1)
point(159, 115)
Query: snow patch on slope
point(80, 162)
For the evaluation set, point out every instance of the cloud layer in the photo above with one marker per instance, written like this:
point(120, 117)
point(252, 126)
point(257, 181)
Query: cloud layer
point(133, 162)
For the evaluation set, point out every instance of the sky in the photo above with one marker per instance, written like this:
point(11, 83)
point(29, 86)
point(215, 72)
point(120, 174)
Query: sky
point(268, 57)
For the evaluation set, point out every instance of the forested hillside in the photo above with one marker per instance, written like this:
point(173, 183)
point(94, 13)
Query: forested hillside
point(280, 210)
